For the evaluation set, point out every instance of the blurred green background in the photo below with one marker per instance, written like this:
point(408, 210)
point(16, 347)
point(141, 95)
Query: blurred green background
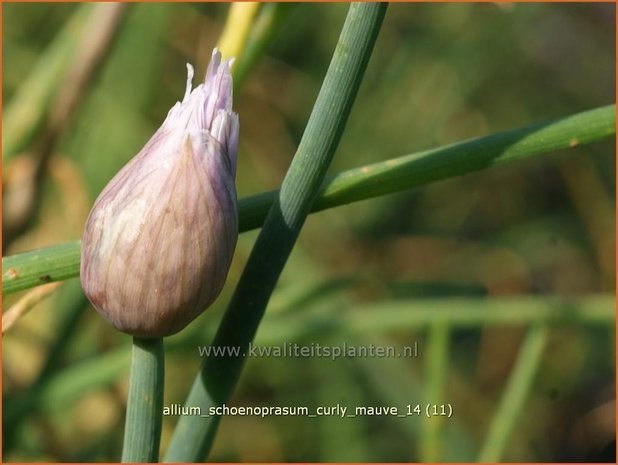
point(526, 233)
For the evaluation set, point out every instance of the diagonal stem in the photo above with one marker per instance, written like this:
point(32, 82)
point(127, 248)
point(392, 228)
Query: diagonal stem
point(219, 374)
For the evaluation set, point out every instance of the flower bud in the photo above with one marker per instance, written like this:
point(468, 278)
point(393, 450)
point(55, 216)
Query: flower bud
point(159, 240)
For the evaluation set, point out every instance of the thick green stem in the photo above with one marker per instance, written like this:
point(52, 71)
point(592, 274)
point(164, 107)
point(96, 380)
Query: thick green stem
point(217, 379)
point(142, 433)
point(58, 262)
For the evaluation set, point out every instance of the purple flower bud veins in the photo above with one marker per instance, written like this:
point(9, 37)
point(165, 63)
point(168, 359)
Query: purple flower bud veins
point(160, 237)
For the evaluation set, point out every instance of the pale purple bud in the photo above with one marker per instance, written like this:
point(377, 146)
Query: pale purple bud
point(159, 240)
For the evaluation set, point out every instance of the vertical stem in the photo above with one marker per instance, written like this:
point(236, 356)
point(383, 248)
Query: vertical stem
point(142, 433)
point(437, 371)
point(237, 26)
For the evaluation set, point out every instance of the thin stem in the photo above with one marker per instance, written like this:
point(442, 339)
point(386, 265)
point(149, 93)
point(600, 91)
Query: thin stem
point(216, 381)
point(437, 373)
point(142, 433)
point(61, 261)
point(237, 26)
point(512, 402)
point(266, 25)
point(20, 308)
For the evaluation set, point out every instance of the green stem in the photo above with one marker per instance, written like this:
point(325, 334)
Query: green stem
point(512, 402)
point(437, 372)
point(240, 19)
point(142, 432)
point(214, 384)
point(58, 262)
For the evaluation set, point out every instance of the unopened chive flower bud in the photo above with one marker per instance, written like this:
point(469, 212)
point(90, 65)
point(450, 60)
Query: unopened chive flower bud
point(160, 237)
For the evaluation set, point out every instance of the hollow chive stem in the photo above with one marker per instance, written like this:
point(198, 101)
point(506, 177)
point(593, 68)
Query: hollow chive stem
point(142, 433)
point(215, 383)
point(61, 261)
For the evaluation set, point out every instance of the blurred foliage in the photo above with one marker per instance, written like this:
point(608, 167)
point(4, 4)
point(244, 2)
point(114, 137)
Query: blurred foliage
point(440, 73)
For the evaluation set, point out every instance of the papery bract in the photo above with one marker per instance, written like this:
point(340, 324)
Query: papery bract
point(159, 240)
